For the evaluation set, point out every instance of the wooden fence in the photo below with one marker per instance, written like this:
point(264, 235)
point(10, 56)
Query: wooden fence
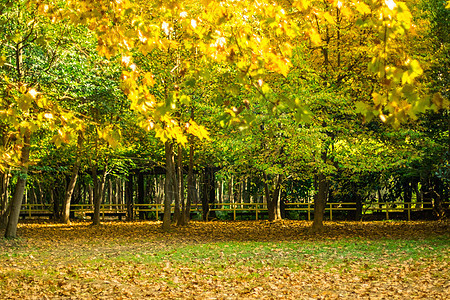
point(235, 209)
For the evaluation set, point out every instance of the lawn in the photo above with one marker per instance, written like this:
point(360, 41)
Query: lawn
point(227, 260)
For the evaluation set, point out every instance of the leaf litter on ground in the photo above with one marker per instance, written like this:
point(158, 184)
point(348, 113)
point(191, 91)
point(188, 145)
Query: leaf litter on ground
point(227, 260)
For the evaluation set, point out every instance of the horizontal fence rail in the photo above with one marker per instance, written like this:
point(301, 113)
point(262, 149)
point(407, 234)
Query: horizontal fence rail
point(253, 209)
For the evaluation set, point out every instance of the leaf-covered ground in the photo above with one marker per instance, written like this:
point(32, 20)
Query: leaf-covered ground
point(227, 260)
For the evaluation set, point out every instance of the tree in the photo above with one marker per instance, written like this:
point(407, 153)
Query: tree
point(29, 52)
point(319, 61)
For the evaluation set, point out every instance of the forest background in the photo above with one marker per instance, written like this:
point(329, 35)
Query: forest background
point(313, 100)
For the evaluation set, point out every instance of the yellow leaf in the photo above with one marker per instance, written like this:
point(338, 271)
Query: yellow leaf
point(25, 102)
point(100, 133)
point(160, 134)
point(315, 37)
point(148, 79)
point(2, 60)
point(362, 8)
point(57, 140)
point(416, 68)
point(328, 18)
point(302, 4)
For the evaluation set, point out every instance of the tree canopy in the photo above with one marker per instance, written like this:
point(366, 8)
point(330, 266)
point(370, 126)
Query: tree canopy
point(330, 92)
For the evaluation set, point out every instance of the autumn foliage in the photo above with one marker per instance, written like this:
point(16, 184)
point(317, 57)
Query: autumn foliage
point(245, 260)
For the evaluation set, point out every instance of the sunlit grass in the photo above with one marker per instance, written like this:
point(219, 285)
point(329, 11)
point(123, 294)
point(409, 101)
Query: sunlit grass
point(296, 254)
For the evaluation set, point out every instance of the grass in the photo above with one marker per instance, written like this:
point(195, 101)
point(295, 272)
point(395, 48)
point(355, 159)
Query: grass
point(294, 254)
point(227, 260)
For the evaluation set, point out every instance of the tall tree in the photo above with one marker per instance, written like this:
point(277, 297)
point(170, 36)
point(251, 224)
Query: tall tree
point(29, 52)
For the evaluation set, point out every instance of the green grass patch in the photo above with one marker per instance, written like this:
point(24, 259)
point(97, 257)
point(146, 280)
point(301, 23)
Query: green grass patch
point(297, 253)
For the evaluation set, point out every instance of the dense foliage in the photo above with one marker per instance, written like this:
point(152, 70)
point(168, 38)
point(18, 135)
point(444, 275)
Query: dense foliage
point(273, 100)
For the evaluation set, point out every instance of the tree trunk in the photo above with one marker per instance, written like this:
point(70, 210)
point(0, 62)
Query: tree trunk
point(73, 181)
point(99, 188)
point(4, 199)
point(191, 192)
point(437, 192)
point(320, 201)
point(96, 197)
point(273, 197)
point(168, 186)
point(204, 196)
point(118, 191)
point(182, 220)
point(91, 194)
point(57, 200)
point(407, 191)
point(41, 194)
point(176, 188)
point(230, 190)
point(129, 197)
point(246, 189)
point(278, 204)
point(220, 192)
point(359, 207)
point(209, 193)
point(68, 196)
point(111, 193)
point(141, 193)
point(16, 202)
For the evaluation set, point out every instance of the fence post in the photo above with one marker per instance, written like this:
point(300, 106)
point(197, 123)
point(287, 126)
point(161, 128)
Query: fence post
point(234, 212)
point(256, 209)
point(387, 211)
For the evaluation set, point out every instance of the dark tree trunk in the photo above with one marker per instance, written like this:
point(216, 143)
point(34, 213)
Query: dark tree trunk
point(245, 190)
point(16, 202)
point(204, 196)
point(57, 199)
point(177, 191)
point(4, 199)
point(212, 190)
point(91, 194)
point(111, 197)
point(208, 195)
point(118, 191)
point(129, 197)
point(320, 201)
point(141, 193)
point(407, 191)
point(273, 197)
point(359, 207)
point(168, 186)
point(191, 193)
point(181, 220)
point(436, 193)
point(96, 197)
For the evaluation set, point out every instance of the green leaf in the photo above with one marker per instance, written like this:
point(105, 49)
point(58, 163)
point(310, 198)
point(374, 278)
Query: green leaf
point(184, 99)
